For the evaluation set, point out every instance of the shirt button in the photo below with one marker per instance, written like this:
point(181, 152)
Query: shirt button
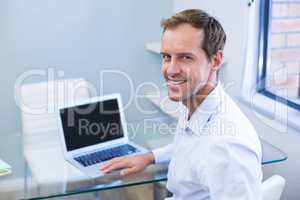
point(188, 130)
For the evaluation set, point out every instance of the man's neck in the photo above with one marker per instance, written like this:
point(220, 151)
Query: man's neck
point(195, 100)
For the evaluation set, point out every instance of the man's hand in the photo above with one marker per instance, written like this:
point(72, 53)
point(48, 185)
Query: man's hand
point(128, 164)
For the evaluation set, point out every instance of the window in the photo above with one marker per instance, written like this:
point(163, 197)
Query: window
point(279, 51)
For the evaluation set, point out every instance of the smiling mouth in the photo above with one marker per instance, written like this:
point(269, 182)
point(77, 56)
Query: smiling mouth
point(176, 82)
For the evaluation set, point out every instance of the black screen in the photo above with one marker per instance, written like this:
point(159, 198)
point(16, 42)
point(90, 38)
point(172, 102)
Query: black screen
point(91, 124)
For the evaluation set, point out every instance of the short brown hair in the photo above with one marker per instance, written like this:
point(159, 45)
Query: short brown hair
point(214, 34)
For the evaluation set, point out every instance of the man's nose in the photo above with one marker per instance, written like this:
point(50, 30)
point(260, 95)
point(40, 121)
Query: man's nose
point(173, 68)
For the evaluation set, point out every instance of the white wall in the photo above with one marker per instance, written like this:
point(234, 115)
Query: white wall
point(233, 16)
point(81, 39)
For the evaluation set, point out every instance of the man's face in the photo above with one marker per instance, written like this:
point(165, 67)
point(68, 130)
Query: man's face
point(185, 65)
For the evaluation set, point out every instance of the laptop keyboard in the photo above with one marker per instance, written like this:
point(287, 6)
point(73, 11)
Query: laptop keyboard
point(107, 154)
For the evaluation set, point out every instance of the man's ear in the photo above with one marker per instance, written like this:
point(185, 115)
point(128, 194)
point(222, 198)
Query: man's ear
point(217, 60)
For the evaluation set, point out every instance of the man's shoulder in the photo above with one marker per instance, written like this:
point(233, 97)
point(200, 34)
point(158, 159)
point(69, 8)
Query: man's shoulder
point(232, 128)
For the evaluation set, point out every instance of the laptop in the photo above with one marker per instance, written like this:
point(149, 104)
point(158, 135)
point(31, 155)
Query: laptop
point(94, 132)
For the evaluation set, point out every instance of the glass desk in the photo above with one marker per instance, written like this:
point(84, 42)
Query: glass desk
point(39, 170)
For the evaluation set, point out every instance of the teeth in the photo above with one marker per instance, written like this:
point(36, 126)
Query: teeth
point(176, 82)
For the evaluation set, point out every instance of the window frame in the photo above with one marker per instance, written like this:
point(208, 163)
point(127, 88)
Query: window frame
point(266, 106)
point(264, 57)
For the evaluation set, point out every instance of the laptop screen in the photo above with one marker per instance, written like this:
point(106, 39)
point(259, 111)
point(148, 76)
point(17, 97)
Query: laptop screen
point(91, 124)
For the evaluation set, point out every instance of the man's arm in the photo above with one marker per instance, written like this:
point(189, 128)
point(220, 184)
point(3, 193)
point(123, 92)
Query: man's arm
point(233, 172)
point(163, 154)
point(137, 163)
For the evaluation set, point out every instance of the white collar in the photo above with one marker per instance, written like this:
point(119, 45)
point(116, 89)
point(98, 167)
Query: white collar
point(204, 112)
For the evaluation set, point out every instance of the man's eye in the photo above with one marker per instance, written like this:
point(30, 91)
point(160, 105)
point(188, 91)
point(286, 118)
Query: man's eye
point(186, 58)
point(166, 57)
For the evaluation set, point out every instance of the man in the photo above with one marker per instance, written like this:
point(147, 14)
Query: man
point(216, 152)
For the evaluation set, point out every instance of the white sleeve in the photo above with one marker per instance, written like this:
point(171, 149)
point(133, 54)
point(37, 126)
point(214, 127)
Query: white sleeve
point(233, 172)
point(163, 154)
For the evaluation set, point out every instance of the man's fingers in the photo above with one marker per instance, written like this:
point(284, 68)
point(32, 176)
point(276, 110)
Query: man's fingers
point(110, 162)
point(127, 171)
point(116, 165)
